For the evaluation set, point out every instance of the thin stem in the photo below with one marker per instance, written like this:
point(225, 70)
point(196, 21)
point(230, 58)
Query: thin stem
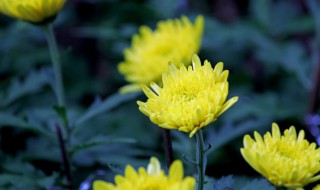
point(167, 145)
point(201, 159)
point(314, 100)
point(64, 155)
point(55, 59)
point(311, 118)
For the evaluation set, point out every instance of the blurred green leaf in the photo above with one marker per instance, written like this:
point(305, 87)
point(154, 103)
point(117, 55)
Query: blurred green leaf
point(234, 182)
point(16, 181)
point(18, 88)
point(15, 166)
point(261, 12)
point(39, 148)
point(8, 120)
point(228, 132)
point(117, 169)
point(98, 106)
point(99, 140)
point(268, 106)
point(224, 183)
point(22, 175)
point(260, 184)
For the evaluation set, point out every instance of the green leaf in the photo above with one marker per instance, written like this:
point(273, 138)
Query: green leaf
point(23, 175)
point(17, 181)
point(99, 140)
point(9, 120)
point(225, 183)
point(261, 11)
point(228, 132)
point(116, 168)
point(39, 148)
point(99, 106)
point(18, 88)
point(15, 166)
point(260, 184)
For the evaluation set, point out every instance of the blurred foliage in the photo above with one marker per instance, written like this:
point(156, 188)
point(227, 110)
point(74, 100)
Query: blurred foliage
point(266, 45)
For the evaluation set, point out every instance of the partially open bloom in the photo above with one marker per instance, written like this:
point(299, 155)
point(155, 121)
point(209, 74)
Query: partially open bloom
point(190, 98)
point(287, 160)
point(152, 178)
point(34, 11)
point(151, 51)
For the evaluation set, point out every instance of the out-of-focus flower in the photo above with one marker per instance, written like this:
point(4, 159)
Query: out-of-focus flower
point(316, 187)
point(152, 178)
point(33, 11)
point(190, 98)
point(285, 160)
point(151, 51)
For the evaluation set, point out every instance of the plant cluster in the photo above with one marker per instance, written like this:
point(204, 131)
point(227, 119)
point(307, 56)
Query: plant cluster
point(53, 138)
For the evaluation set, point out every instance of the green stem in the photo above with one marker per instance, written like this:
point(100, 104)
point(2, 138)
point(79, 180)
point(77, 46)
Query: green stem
point(55, 59)
point(201, 159)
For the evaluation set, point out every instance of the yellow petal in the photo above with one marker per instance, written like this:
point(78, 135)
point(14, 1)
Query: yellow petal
point(227, 105)
point(193, 132)
point(176, 171)
point(275, 131)
point(101, 185)
point(130, 88)
point(130, 173)
point(218, 69)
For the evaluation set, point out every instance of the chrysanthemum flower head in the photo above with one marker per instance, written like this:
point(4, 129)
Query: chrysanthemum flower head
point(152, 178)
point(33, 11)
point(287, 160)
point(151, 51)
point(190, 98)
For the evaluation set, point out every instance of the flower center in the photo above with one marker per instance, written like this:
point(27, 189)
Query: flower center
point(286, 151)
point(285, 154)
point(186, 96)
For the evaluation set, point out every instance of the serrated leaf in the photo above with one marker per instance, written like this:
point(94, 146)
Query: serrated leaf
point(17, 181)
point(17, 167)
point(32, 83)
point(109, 103)
point(225, 183)
point(23, 175)
point(99, 140)
point(260, 184)
point(8, 120)
point(38, 148)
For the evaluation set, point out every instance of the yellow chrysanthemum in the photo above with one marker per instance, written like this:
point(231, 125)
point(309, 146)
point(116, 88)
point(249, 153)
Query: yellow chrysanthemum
point(151, 51)
point(190, 98)
point(285, 160)
point(152, 178)
point(34, 11)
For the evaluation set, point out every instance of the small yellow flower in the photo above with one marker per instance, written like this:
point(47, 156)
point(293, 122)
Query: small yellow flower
point(151, 51)
point(152, 178)
point(34, 11)
point(190, 98)
point(285, 160)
